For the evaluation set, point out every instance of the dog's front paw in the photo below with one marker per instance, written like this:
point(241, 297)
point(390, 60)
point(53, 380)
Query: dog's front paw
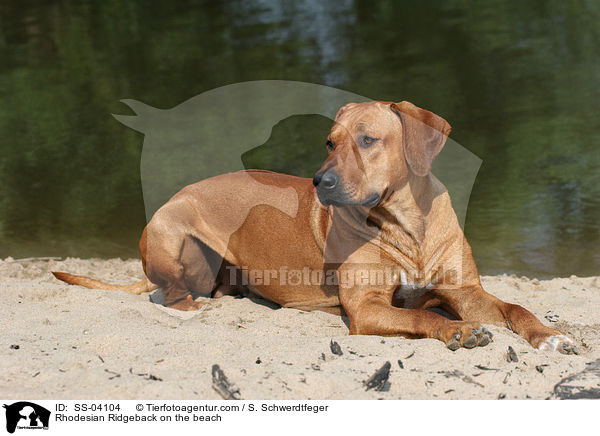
point(459, 334)
point(561, 343)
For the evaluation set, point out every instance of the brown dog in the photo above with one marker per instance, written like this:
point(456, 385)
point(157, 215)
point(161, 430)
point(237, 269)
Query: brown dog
point(375, 237)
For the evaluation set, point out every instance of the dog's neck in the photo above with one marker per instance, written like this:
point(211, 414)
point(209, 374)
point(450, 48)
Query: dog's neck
point(401, 214)
point(399, 220)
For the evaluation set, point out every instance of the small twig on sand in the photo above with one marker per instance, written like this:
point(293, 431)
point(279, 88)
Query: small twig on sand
point(485, 368)
point(223, 386)
point(461, 375)
point(147, 376)
point(113, 373)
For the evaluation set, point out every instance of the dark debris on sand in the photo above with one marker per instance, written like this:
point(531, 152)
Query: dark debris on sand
point(378, 380)
point(223, 386)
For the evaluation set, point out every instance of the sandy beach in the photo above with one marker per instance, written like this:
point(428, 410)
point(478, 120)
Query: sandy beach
point(68, 342)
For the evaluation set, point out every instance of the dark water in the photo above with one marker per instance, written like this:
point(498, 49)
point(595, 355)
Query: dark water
point(518, 81)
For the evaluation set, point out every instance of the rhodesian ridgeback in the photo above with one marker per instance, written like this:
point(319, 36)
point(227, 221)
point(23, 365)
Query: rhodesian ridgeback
point(373, 236)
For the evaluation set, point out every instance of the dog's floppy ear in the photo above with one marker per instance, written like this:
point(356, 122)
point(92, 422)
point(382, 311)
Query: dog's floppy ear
point(425, 134)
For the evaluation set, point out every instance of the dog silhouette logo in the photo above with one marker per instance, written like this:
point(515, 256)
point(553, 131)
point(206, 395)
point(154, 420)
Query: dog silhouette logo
point(26, 415)
point(209, 134)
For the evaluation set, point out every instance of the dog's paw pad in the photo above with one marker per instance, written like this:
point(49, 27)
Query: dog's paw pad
point(464, 334)
point(561, 343)
point(484, 337)
point(454, 344)
point(470, 342)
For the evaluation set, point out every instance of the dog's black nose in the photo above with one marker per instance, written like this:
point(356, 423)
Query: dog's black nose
point(327, 179)
point(317, 179)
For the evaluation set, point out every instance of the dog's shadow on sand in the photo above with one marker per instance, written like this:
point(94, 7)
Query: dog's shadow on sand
point(158, 298)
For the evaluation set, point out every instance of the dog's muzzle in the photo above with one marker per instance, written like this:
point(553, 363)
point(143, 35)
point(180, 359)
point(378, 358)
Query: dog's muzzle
point(326, 180)
point(329, 191)
point(327, 184)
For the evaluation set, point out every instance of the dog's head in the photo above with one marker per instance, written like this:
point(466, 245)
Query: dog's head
point(373, 147)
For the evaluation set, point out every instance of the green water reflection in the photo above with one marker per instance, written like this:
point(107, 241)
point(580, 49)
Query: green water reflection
point(518, 81)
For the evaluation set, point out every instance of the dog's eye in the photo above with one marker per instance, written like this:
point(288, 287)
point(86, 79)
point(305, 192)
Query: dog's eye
point(368, 141)
point(329, 145)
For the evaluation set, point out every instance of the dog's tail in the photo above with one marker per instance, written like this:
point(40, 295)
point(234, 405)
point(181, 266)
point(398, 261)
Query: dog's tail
point(137, 288)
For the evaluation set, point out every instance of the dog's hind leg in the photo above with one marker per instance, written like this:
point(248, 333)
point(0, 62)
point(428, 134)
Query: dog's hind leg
point(178, 264)
point(201, 266)
point(206, 273)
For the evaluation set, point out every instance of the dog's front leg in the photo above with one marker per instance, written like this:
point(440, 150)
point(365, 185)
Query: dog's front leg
point(370, 312)
point(475, 303)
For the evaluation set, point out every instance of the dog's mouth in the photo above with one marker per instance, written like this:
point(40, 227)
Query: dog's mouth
point(370, 201)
